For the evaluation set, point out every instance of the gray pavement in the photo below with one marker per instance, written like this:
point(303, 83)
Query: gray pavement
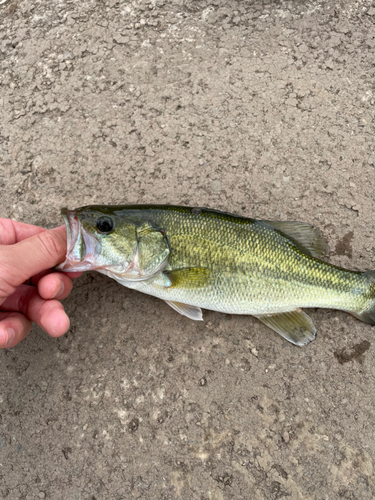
point(261, 108)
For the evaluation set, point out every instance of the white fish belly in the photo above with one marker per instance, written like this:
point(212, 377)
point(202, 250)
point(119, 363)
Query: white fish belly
point(234, 299)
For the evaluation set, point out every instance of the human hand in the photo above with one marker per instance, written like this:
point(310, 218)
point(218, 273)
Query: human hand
point(27, 254)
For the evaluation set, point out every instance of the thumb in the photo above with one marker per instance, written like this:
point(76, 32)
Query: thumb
point(33, 255)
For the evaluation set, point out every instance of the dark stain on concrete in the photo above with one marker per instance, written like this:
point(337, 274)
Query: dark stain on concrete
point(358, 351)
point(344, 245)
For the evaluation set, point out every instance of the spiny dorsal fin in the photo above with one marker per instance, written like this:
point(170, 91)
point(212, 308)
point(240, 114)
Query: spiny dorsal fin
point(189, 277)
point(191, 312)
point(295, 326)
point(308, 236)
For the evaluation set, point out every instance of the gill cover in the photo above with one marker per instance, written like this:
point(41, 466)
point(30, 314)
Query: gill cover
point(152, 251)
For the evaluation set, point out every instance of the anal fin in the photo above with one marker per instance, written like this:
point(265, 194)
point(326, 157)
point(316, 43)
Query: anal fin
point(295, 326)
point(191, 312)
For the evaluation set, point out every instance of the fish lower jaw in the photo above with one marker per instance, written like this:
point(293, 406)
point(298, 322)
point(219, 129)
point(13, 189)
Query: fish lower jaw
point(75, 267)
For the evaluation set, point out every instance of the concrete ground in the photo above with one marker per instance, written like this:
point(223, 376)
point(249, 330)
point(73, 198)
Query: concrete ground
point(262, 108)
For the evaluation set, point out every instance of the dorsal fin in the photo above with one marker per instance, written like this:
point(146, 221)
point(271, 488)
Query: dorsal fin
point(307, 236)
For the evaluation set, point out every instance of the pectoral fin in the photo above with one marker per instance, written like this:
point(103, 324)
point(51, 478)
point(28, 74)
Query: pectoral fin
point(188, 278)
point(296, 326)
point(307, 236)
point(191, 312)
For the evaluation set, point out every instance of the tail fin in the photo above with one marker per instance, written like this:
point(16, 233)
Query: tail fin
point(369, 315)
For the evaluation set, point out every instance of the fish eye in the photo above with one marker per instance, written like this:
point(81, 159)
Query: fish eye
point(105, 225)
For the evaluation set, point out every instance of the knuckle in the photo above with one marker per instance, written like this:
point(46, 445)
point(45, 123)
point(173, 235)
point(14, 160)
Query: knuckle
point(6, 288)
point(49, 244)
point(7, 272)
point(7, 232)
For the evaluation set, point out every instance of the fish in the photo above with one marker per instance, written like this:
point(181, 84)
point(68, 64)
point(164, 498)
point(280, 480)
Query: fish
point(194, 258)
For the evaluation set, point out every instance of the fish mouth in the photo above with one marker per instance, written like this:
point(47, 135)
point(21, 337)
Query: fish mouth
point(80, 245)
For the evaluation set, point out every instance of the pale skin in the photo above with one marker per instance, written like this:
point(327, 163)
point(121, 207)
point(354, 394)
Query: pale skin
point(30, 291)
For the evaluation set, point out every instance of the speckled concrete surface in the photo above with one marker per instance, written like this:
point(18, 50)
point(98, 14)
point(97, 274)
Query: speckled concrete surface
point(261, 108)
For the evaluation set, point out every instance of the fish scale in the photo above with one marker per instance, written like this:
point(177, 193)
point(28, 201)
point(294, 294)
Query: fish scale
point(256, 273)
point(222, 262)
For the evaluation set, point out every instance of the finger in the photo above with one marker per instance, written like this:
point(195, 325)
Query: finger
point(74, 276)
point(35, 279)
point(12, 232)
point(14, 327)
point(32, 256)
point(53, 319)
point(55, 286)
point(48, 314)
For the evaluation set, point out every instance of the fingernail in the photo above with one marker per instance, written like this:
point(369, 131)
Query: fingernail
point(6, 337)
point(59, 291)
point(11, 334)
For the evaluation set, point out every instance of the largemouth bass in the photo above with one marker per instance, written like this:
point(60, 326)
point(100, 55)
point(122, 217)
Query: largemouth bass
point(197, 258)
